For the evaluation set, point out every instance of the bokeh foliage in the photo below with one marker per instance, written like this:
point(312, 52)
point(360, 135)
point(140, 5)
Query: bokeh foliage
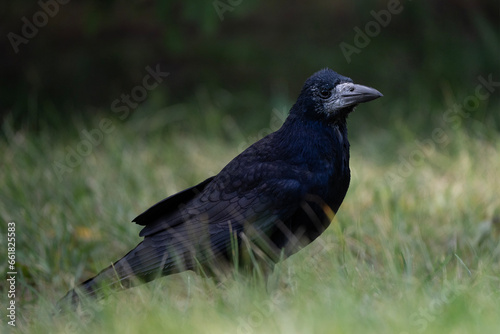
point(91, 52)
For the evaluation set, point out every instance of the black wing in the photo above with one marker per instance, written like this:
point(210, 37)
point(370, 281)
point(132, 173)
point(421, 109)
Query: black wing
point(203, 227)
point(214, 203)
point(170, 204)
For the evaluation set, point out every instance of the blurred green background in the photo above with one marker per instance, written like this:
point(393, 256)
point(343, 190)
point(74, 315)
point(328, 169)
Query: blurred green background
point(418, 231)
point(89, 53)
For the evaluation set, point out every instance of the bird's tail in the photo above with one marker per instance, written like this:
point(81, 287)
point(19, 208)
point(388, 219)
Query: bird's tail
point(142, 264)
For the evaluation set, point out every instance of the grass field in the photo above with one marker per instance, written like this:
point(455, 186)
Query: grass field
point(414, 248)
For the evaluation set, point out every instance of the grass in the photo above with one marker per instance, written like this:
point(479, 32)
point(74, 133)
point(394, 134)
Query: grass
point(413, 249)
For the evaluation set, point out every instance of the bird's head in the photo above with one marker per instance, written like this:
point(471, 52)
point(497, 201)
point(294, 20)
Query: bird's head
point(329, 96)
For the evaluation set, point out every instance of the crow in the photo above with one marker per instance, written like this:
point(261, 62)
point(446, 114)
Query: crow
point(274, 198)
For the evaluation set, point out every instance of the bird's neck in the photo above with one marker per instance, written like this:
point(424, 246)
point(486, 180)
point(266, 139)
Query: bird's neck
point(321, 150)
point(310, 140)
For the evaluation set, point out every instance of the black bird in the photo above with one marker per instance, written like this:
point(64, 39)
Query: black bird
point(279, 194)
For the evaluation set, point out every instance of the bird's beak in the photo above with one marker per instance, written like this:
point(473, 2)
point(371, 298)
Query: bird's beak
point(350, 94)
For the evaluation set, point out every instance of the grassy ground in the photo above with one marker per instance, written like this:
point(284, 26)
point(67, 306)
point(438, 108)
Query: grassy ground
point(414, 248)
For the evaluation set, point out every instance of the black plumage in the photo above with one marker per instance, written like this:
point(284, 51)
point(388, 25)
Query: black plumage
point(278, 195)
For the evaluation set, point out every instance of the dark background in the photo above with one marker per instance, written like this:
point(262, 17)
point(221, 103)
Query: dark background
point(91, 52)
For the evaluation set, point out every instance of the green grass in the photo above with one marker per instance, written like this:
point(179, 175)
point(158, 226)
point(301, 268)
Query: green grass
point(412, 250)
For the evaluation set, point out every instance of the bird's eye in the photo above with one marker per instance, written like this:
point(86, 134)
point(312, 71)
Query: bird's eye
point(325, 93)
